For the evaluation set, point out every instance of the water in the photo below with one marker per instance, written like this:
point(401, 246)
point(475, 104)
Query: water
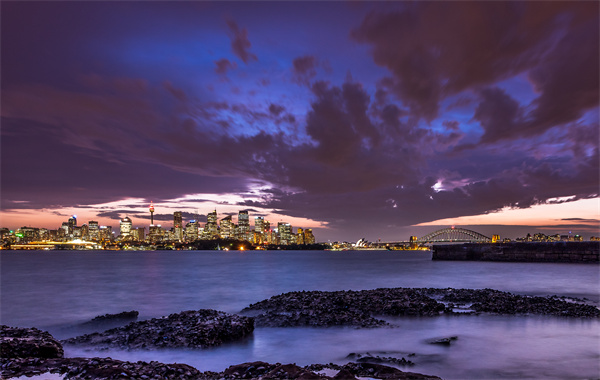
point(57, 291)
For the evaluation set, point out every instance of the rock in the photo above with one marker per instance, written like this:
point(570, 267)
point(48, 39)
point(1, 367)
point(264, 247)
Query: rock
point(443, 341)
point(344, 374)
point(191, 329)
point(101, 368)
point(28, 342)
point(384, 372)
point(123, 316)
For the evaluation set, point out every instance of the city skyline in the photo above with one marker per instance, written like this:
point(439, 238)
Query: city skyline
point(357, 120)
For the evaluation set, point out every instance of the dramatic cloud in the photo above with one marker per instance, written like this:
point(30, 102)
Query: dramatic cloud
point(407, 112)
point(240, 44)
point(223, 65)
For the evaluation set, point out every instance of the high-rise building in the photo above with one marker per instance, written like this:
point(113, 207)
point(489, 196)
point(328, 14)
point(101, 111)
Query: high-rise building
point(125, 227)
point(243, 225)
point(106, 233)
point(227, 230)
point(178, 225)
point(72, 224)
point(211, 230)
point(94, 230)
point(309, 238)
point(300, 236)
point(284, 230)
point(191, 231)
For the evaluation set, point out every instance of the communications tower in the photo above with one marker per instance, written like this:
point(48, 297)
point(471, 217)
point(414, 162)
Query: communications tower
point(151, 214)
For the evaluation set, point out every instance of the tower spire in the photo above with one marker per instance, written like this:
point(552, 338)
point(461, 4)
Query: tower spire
point(151, 214)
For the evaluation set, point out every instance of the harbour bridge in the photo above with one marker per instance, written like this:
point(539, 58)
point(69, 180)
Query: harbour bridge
point(453, 234)
point(445, 235)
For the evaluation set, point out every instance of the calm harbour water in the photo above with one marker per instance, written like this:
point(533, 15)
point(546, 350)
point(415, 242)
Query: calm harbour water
point(57, 291)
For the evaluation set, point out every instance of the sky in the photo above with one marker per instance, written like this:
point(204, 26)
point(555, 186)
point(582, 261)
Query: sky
point(376, 120)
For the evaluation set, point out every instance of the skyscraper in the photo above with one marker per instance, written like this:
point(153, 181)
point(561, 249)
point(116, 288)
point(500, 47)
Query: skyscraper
point(94, 230)
point(178, 225)
point(125, 226)
point(226, 224)
point(244, 225)
point(211, 228)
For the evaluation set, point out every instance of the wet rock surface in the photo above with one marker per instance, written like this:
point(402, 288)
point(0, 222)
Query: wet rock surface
point(190, 329)
point(359, 308)
point(123, 316)
point(345, 308)
point(98, 368)
point(18, 342)
point(498, 302)
point(107, 368)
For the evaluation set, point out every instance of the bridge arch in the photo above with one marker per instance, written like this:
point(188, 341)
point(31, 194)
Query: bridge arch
point(454, 234)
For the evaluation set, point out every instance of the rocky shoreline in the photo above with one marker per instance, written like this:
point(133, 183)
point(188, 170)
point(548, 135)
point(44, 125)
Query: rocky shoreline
point(360, 308)
point(30, 352)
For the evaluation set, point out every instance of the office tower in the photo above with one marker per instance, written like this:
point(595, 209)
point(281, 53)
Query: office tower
point(94, 230)
point(243, 225)
point(259, 224)
point(226, 230)
point(284, 230)
point(125, 227)
point(191, 231)
point(300, 236)
point(309, 238)
point(72, 224)
point(151, 214)
point(178, 225)
point(106, 233)
point(211, 228)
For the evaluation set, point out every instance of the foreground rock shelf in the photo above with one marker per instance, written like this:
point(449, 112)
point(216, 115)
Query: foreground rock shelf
point(358, 308)
point(188, 329)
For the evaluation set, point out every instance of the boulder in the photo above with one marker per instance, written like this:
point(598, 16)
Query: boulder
point(18, 342)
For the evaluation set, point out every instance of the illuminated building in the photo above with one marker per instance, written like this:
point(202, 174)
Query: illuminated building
point(227, 229)
point(284, 230)
point(94, 230)
point(139, 234)
point(495, 238)
point(155, 233)
point(191, 231)
point(243, 225)
point(210, 228)
point(72, 224)
point(300, 236)
point(309, 238)
point(178, 225)
point(125, 227)
point(106, 233)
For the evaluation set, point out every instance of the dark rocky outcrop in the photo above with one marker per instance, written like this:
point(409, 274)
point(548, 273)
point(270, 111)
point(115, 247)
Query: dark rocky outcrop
point(345, 308)
point(191, 329)
point(384, 372)
point(358, 308)
point(123, 316)
point(99, 368)
point(18, 342)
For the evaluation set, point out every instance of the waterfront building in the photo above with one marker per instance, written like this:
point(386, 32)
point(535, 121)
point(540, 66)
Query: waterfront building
point(106, 233)
point(227, 228)
point(309, 238)
point(178, 225)
point(243, 225)
point(211, 230)
point(495, 238)
point(94, 230)
point(72, 223)
point(125, 227)
point(300, 236)
point(155, 233)
point(191, 231)
point(139, 234)
point(284, 230)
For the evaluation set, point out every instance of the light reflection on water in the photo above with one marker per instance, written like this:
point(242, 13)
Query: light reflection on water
point(58, 290)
